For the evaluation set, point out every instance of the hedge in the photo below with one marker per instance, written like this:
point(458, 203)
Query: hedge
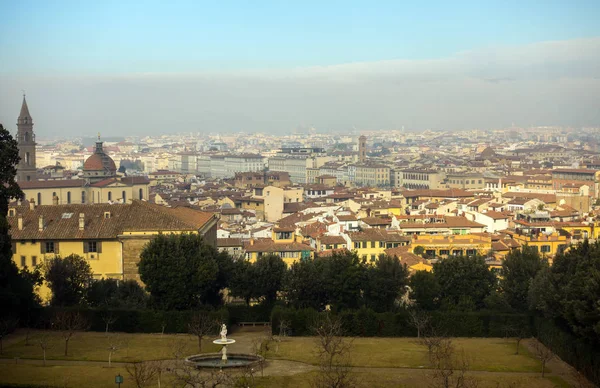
point(367, 323)
point(576, 351)
point(135, 321)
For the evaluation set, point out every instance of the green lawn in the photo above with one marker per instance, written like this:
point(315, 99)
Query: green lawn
point(485, 354)
point(93, 346)
point(402, 378)
point(100, 377)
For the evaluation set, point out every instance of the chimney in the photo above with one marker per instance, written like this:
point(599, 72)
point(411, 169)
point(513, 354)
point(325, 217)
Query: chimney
point(55, 200)
point(20, 221)
point(81, 221)
point(41, 223)
point(31, 204)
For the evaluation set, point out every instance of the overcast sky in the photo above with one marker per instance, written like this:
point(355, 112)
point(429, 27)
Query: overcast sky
point(272, 68)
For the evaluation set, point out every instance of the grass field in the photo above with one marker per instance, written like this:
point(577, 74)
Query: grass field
point(100, 377)
point(485, 354)
point(93, 346)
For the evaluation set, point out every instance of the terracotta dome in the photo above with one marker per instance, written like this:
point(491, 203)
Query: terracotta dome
point(99, 161)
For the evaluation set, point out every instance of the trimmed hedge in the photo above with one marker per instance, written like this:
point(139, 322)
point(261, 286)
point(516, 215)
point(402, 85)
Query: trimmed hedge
point(367, 323)
point(136, 321)
point(577, 352)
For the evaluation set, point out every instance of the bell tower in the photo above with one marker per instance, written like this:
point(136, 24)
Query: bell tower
point(26, 170)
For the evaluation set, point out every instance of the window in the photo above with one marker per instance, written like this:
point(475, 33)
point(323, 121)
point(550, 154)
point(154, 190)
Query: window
point(364, 244)
point(68, 197)
point(471, 252)
point(23, 261)
point(28, 178)
point(33, 261)
point(141, 194)
point(39, 198)
point(83, 197)
point(110, 196)
point(92, 246)
point(50, 247)
point(372, 244)
point(373, 258)
point(27, 158)
point(53, 195)
point(356, 245)
point(124, 197)
point(545, 248)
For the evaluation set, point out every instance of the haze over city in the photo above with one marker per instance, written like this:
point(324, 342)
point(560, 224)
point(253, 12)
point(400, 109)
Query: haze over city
point(121, 68)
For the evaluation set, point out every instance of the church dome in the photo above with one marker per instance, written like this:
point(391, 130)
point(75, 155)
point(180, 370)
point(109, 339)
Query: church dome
point(99, 162)
point(99, 166)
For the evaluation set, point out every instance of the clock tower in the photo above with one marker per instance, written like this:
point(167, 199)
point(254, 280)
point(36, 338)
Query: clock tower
point(26, 170)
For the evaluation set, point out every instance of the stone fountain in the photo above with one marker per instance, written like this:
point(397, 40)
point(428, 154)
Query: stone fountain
point(221, 359)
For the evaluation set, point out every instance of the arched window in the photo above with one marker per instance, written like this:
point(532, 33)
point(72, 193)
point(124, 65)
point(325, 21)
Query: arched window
point(27, 158)
point(141, 194)
point(110, 196)
point(124, 197)
point(26, 135)
point(53, 194)
point(83, 197)
point(39, 198)
point(68, 197)
point(28, 178)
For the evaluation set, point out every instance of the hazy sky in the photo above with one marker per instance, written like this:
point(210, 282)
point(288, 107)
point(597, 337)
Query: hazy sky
point(137, 67)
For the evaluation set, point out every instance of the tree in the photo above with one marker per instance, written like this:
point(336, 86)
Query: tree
point(243, 280)
point(449, 369)
point(344, 274)
point(383, 282)
point(269, 271)
point(201, 325)
point(16, 290)
point(419, 250)
point(464, 282)
point(109, 318)
point(518, 270)
point(305, 284)
point(110, 293)
point(426, 290)
point(68, 279)
point(114, 345)
point(182, 272)
point(333, 352)
point(46, 343)
point(68, 323)
point(419, 319)
point(568, 291)
point(141, 373)
point(542, 353)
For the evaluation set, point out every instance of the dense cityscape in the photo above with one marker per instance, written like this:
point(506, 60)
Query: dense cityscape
point(299, 194)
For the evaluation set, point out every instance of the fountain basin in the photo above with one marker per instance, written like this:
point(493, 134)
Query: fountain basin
point(224, 341)
point(214, 360)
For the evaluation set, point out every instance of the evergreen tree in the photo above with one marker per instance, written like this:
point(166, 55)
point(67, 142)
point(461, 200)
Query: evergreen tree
point(518, 270)
point(383, 283)
point(69, 279)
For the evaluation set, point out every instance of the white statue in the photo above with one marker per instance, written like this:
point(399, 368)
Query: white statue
point(405, 299)
point(224, 332)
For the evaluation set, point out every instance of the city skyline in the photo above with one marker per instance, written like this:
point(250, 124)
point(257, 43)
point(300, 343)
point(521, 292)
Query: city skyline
point(118, 69)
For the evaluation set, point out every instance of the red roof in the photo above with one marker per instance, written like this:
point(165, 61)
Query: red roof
point(99, 162)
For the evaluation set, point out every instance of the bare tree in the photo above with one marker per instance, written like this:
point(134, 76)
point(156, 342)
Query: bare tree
point(519, 333)
point(46, 343)
point(178, 348)
point(188, 376)
point(448, 368)
point(333, 352)
point(431, 339)
point(114, 345)
point(260, 347)
point(542, 353)
point(109, 318)
point(141, 373)
point(202, 325)
point(68, 323)
point(284, 327)
point(7, 326)
point(419, 319)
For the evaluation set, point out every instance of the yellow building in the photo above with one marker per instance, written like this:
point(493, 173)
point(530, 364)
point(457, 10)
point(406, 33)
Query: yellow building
point(370, 243)
point(109, 237)
point(546, 245)
point(284, 242)
point(455, 245)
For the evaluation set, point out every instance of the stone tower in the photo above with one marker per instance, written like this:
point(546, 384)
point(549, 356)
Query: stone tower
point(26, 170)
point(362, 149)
